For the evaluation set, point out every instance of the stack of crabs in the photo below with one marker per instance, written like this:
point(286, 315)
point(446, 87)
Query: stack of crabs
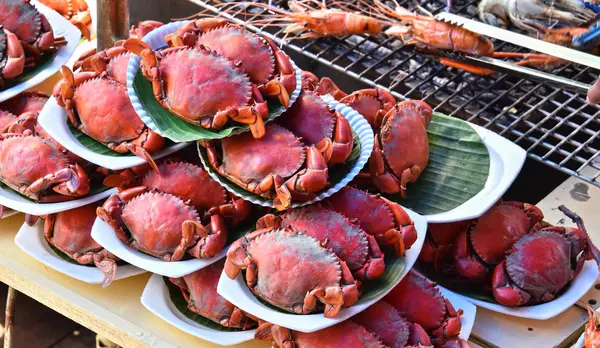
point(26, 39)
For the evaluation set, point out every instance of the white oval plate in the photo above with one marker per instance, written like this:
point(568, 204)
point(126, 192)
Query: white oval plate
point(31, 240)
point(361, 128)
point(105, 236)
point(156, 40)
point(54, 120)
point(10, 199)
point(157, 300)
point(467, 320)
point(506, 161)
point(237, 292)
point(60, 27)
point(578, 287)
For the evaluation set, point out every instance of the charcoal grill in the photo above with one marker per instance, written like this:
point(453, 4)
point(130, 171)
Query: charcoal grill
point(555, 126)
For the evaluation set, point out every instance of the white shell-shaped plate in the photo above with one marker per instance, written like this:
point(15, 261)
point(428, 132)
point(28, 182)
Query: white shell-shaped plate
point(60, 27)
point(156, 40)
point(237, 292)
point(576, 290)
point(105, 236)
point(10, 199)
point(157, 300)
point(361, 128)
point(31, 240)
point(54, 120)
point(506, 161)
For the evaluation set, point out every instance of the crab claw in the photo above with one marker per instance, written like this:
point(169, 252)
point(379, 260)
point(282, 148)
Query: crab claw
point(504, 291)
point(107, 266)
point(212, 240)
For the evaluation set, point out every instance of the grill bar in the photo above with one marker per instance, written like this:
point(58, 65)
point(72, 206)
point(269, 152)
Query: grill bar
point(555, 126)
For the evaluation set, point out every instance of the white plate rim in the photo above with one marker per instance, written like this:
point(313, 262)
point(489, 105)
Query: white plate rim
point(236, 292)
point(156, 299)
point(54, 120)
point(31, 240)
point(60, 27)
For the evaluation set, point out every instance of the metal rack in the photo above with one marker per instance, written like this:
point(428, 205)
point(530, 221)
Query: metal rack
point(555, 126)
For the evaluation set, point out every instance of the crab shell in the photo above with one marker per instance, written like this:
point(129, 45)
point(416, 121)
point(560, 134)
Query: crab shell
point(183, 179)
point(201, 87)
point(372, 103)
point(266, 65)
point(12, 56)
point(484, 244)
point(421, 302)
point(143, 28)
point(344, 334)
point(162, 225)
point(277, 166)
point(25, 102)
point(40, 170)
point(29, 25)
point(200, 291)
point(320, 125)
point(76, 11)
point(348, 241)
point(275, 258)
point(401, 149)
point(108, 117)
point(70, 232)
point(385, 220)
point(439, 244)
point(539, 266)
point(113, 61)
point(391, 327)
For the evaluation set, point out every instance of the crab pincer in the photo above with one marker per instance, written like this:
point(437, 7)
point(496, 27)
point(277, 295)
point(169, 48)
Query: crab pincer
point(180, 231)
point(201, 87)
point(12, 56)
point(275, 258)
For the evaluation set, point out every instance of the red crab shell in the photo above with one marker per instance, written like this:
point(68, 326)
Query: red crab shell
point(539, 266)
point(201, 87)
point(276, 258)
point(348, 241)
point(108, 117)
point(266, 65)
point(112, 60)
point(143, 28)
point(486, 241)
point(12, 56)
point(439, 244)
point(40, 170)
point(345, 334)
point(421, 302)
point(25, 102)
point(401, 150)
point(178, 230)
point(29, 25)
point(200, 291)
point(379, 217)
point(70, 232)
point(387, 323)
point(276, 166)
point(318, 124)
point(373, 104)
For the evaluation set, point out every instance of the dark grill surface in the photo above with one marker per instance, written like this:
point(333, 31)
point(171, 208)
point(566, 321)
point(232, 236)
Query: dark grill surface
point(555, 126)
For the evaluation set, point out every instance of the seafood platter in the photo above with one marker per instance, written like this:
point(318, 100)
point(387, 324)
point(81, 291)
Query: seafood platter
point(267, 202)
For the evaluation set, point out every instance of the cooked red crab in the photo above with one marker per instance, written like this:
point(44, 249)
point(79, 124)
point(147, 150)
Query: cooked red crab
point(76, 11)
point(379, 217)
point(200, 291)
point(112, 60)
point(177, 230)
point(277, 166)
point(12, 56)
point(30, 26)
point(201, 87)
point(266, 65)
point(439, 244)
point(539, 266)
point(143, 28)
point(70, 232)
point(108, 116)
point(421, 302)
point(40, 170)
point(401, 149)
point(391, 327)
point(484, 243)
point(348, 241)
point(276, 258)
point(320, 125)
point(25, 102)
point(345, 334)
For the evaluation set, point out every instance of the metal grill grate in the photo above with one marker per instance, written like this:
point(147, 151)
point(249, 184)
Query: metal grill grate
point(555, 126)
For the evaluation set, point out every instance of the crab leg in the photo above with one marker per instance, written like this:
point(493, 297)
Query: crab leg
point(375, 266)
point(71, 181)
point(285, 82)
point(238, 209)
point(210, 241)
point(111, 210)
point(403, 237)
point(252, 115)
point(304, 183)
point(337, 150)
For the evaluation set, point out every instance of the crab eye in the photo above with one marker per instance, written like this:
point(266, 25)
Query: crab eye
point(597, 326)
